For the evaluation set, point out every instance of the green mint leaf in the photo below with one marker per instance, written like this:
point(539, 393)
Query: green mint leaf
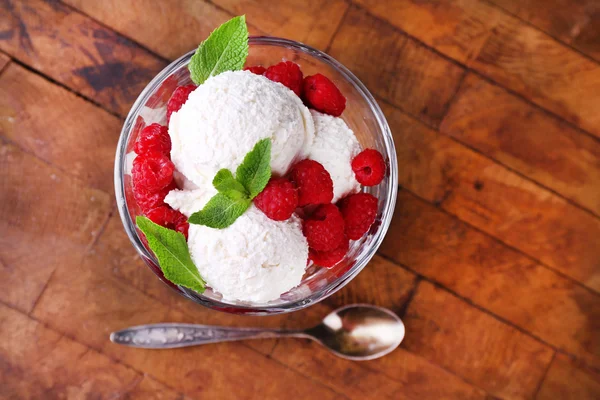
point(220, 211)
point(255, 171)
point(225, 183)
point(173, 255)
point(225, 49)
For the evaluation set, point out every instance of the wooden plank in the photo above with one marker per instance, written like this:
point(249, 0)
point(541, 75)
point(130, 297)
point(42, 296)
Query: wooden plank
point(544, 71)
point(38, 362)
point(506, 50)
point(486, 352)
point(527, 139)
point(45, 216)
point(575, 22)
point(76, 137)
point(313, 22)
point(190, 21)
point(567, 379)
point(77, 52)
point(170, 28)
point(496, 200)
point(396, 68)
point(150, 388)
point(492, 276)
point(455, 28)
point(404, 375)
point(105, 304)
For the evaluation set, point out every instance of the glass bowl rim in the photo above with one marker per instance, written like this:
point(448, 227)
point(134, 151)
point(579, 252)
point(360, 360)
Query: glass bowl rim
point(331, 287)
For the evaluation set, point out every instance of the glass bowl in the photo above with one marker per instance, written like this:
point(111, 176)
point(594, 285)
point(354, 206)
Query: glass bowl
point(362, 115)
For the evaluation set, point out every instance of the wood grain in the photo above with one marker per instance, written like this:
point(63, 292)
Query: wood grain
point(527, 139)
point(409, 377)
point(396, 68)
point(38, 362)
point(496, 200)
point(45, 216)
point(575, 22)
point(81, 143)
point(313, 22)
point(168, 28)
point(497, 358)
point(77, 52)
point(494, 277)
point(568, 380)
point(4, 60)
point(505, 49)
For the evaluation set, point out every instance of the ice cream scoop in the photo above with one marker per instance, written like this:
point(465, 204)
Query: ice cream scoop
point(227, 115)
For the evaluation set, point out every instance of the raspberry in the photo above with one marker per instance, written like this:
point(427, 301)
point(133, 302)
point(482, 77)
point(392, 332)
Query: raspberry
point(369, 167)
point(322, 95)
point(178, 98)
point(149, 200)
point(359, 211)
point(313, 182)
point(151, 172)
point(256, 69)
point(278, 200)
point(324, 229)
point(153, 138)
point(169, 218)
point(330, 258)
point(288, 74)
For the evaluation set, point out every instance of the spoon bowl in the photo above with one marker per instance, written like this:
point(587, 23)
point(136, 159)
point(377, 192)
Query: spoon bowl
point(354, 332)
point(359, 332)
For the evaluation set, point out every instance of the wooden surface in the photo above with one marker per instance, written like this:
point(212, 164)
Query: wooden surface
point(492, 259)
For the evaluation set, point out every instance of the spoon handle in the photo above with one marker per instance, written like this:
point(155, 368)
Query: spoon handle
point(172, 335)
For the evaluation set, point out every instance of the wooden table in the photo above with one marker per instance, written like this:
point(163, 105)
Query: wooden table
point(492, 260)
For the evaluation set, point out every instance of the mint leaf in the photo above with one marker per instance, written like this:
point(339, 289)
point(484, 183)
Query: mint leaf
point(255, 171)
point(173, 255)
point(225, 183)
point(225, 49)
point(220, 211)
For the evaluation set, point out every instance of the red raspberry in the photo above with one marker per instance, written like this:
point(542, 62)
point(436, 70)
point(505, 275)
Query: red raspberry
point(256, 69)
point(330, 258)
point(178, 98)
point(359, 211)
point(288, 74)
point(151, 172)
point(278, 200)
point(153, 138)
point(324, 229)
point(169, 218)
point(322, 95)
point(313, 182)
point(369, 167)
point(149, 200)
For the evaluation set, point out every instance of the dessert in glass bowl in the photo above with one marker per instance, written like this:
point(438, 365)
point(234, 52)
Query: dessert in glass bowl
point(255, 175)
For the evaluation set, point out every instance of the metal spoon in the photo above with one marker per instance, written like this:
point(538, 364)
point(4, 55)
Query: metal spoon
point(355, 332)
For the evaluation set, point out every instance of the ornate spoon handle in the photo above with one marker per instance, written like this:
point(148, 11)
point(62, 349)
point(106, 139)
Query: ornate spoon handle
point(172, 335)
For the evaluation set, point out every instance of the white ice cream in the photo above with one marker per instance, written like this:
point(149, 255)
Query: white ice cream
point(335, 146)
point(227, 115)
point(255, 259)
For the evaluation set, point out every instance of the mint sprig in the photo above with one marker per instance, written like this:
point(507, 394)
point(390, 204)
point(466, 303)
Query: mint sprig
point(236, 193)
point(225, 49)
point(220, 211)
point(173, 254)
point(255, 171)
